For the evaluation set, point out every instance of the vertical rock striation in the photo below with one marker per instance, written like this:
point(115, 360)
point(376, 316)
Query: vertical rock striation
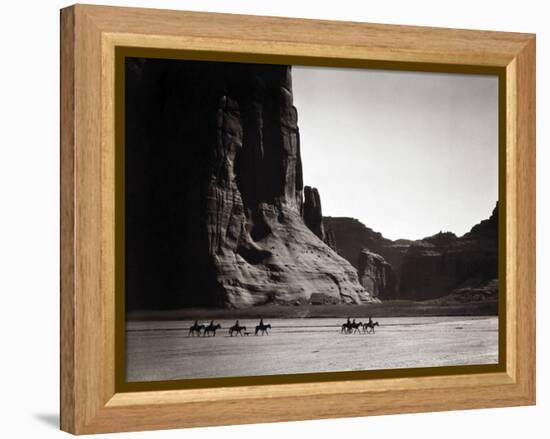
point(217, 220)
point(313, 212)
point(376, 275)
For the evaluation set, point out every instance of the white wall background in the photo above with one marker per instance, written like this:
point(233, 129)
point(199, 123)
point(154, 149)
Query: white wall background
point(29, 236)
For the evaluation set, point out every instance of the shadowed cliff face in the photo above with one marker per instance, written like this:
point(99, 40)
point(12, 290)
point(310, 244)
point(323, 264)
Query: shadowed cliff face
point(437, 265)
point(214, 191)
point(376, 275)
point(312, 213)
point(350, 237)
point(465, 267)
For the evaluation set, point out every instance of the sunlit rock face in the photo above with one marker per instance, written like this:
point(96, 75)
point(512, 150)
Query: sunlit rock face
point(219, 147)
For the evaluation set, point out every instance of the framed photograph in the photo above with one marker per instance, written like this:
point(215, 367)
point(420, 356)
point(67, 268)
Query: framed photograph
point(267, 219)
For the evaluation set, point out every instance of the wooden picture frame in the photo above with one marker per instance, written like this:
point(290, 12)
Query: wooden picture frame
point(91, 401)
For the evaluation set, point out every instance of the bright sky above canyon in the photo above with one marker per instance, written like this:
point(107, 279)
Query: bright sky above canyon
point(408, 154)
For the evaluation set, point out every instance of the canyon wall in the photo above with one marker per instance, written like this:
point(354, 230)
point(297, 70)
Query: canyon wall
point(438, 265)
point(214, 194)
point(429, 268)
point(376, 275)
point(350, 237)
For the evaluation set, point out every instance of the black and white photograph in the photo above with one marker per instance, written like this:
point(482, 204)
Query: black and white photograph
point(295, 219)
point(275, 219)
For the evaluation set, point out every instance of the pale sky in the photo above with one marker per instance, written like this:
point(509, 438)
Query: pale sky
point(408, 154)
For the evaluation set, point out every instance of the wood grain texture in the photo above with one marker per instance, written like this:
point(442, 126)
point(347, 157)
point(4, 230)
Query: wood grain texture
point(526, 217)
point(315, 37)
point(89, 36)
point(67, 254)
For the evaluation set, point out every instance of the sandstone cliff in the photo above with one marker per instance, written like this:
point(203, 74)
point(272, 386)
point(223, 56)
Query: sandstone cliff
point(350, 236)
point(437, 266)
point(214, 191)
point(376, 275)
point(313, 212)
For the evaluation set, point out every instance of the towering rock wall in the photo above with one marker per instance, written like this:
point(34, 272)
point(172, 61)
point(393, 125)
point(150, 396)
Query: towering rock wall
point(313, 212)
point(376, 275)
point(214, 191)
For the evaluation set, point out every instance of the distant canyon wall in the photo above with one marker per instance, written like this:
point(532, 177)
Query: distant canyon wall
point(445, 262)
point(350, 238)
point(429, 268)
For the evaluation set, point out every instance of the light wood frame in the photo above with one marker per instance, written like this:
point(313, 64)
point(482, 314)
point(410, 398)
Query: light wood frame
point(89, 36)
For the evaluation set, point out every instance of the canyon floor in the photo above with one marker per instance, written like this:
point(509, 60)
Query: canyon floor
point(162, 350)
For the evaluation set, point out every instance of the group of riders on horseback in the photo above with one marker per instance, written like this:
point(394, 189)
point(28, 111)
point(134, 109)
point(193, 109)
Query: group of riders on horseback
point(236, 329)
point(353, 327)
point(208, 329)
point(350, 327)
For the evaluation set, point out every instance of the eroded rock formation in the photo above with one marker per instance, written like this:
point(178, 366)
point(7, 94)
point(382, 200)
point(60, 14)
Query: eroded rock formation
point(437, 265)
point(350, 236)
point(313, 212)
point(214, 191)
point(376, 275)
point(430, 268)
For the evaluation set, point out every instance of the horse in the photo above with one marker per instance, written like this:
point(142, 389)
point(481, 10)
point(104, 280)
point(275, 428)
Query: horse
point(351, 327)
point(196, 328)
point(237, 328)
point(346, 328)
point(263, 328)
point(369, 326)
point(212, 328)
point(356, 326)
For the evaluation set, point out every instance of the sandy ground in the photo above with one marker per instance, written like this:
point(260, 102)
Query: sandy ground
point(162, 350)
